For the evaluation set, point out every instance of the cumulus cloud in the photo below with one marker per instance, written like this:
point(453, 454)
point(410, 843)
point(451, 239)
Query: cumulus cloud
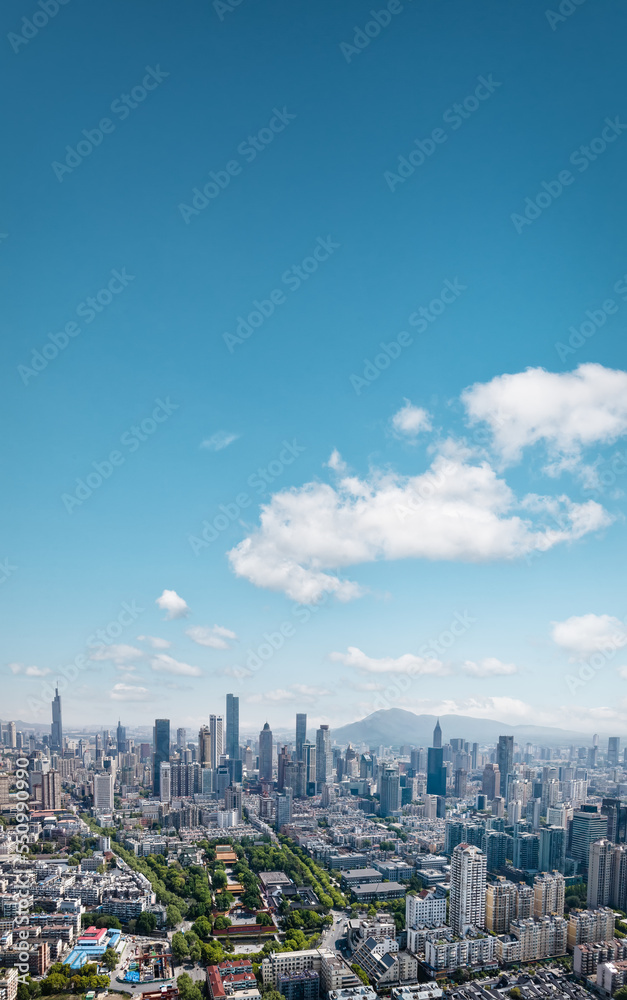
point(21, 668)
point(219, 440)
point(489, 667)
point(128, 692)
point(583, 635)
point(119, 654)
point(302, 693)
point(408, 663)
point(214, 637)
point(164, 664)
point(567, 411)
point(336, 462)
point(411, 420)
point(173, 605)
point(155, 641)
point(458, 510)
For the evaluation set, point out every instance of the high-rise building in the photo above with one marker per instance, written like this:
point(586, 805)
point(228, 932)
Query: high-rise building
point(301, 734)
point(501, 905)
point(165, 782)
point(436, 772)
point(232, 727)
point(204, 747)
point(181, 739)
point(265, 753)
point(309, 760)
point(460, 779)
point(505, 761)
point(491, 782)
point(619, 877)
point(56, 729)
point(389, 791)
point(553, 840)
point(588, 825)
point(283, 808)
point(324, 757)
point(437, 735)
point(161, 751)
point(103, 792)
point(600, 873)
point(468, 889)
point(613, 750)
point(11, 735)
point(120, 734)
point(216, 735)
point(548, 895)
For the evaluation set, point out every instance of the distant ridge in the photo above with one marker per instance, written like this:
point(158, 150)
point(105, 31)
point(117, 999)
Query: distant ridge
point(395, 727)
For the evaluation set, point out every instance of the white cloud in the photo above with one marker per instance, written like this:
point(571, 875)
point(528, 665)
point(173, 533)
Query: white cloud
point(21, 668)
point(165, 664)
point(155, 641)
point(128, 692)
point(489, 667)
point(411, 420)
point(302, 693)
point(173, 605)
point(219, 440)
point(119, 654)
point(583, 635)
point(336, 462)
point(454, 511)
point(214, 637)
point(405, 664)
point(567, 411)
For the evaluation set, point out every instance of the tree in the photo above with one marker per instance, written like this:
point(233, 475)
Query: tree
point(515, 993)
point(180, 947)
point(224, 900)
point(221, 923)
point(146, 922)
point(110, 959)
point(264, 919)
point(359, 972)
point(202, 927)
point(621, 994)
point(219, 879)
point(187, 988)
point(174, 916)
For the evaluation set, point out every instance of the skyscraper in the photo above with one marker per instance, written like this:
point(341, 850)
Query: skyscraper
point(505, 761)
point(161, 751)
point(301, 734)
point(181, 739)
point(436, 772)
point(309, 760)
point(324, 757)
point(216, 732)
point(588, 825)
point(437, 735)
point(613, 750)
point(468, 888)
point(232, 726)
point(204, 747)
point(121, 737)
point(265, 753)
point(491, 782)
point(56, 729)
point(389, 791)
point(600, 873)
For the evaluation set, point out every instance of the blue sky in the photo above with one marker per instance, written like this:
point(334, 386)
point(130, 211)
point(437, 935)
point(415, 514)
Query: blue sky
point(303, 138)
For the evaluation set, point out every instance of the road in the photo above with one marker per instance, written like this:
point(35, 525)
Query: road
point(335, 931)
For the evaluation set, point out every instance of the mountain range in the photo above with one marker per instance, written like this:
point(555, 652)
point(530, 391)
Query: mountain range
point(395, 727)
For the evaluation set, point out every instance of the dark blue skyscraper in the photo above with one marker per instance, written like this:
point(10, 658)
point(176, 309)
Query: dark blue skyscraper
point(161, 751)
point(232, 726)
point(301, 734)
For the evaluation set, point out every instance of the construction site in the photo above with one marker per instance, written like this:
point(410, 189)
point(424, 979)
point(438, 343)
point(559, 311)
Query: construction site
point(149, 963)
